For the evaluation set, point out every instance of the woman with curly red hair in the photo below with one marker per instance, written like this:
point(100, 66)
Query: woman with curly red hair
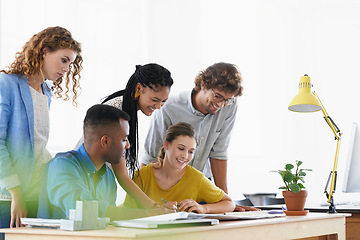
point(49, 63)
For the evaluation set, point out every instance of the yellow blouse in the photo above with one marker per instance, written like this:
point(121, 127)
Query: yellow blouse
point(193, 185)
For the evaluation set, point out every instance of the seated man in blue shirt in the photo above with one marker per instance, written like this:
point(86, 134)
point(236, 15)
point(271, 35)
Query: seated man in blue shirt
point(83, 175)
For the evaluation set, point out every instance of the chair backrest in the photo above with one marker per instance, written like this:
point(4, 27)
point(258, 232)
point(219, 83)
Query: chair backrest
point(244, 202)
point(273, 201)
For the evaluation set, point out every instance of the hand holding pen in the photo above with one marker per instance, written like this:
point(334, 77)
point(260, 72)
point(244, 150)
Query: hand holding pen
point(170, 205)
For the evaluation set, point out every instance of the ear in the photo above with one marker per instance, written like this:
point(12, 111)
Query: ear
point(138, 87)
point(44, 51)
point(105, 141)
point(202, 86)
point(166, 145)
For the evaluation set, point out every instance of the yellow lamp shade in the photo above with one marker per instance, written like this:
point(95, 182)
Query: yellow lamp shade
point(305, 101)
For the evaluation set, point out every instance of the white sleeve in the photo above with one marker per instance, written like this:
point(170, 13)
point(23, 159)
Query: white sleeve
point(155, 136)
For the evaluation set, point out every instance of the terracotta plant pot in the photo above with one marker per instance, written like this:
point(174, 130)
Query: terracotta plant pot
point(295, 201)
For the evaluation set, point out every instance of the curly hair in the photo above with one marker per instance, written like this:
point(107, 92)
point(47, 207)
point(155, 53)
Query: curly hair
point(29, 61)
point(223, 76)
point(173, 132)
point(152, 76)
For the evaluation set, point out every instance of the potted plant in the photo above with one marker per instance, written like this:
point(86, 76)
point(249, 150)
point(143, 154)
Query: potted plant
point(293, 191)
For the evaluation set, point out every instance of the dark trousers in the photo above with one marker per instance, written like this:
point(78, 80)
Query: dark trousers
point(5, 213)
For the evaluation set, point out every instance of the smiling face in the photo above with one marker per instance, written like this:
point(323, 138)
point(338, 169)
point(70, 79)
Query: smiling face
point(210, 103)
point(180, 151)
point(57, 63)
point(151, 99)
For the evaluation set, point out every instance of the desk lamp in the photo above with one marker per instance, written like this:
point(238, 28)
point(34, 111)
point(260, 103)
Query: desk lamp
point(307, 101)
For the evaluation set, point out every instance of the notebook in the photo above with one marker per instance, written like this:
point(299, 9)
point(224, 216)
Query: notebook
point(171, 220)
point(182, 219)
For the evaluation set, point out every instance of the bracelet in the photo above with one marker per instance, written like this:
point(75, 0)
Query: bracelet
point(156, 205)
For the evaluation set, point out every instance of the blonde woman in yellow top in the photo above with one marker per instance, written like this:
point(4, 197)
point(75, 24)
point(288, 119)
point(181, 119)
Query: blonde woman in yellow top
point(171, 179)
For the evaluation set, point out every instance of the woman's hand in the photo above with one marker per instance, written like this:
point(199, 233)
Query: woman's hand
point(239, 208)
point(171, 205)
point(159, 210)
point(189, 205)
point(18, 206)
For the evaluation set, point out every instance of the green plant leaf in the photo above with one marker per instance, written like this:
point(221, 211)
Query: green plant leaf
point(289, 166)
point(294, 187)
point(301, 179)
point(306, 169)
point(301, 186)
point(289, 177)
point(291, 180)
point(282, 173)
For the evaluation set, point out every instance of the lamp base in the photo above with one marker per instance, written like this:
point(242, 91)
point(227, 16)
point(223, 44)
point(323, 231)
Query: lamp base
point(332, 208)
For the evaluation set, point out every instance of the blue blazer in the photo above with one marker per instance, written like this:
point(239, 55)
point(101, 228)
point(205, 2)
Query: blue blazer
point(17, 131)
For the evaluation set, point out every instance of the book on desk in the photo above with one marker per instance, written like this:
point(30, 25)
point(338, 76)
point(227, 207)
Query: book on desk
point(185, 219)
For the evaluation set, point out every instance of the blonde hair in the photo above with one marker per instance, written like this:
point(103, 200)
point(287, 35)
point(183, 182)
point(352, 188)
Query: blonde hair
point(29, 61)
point(174, 131)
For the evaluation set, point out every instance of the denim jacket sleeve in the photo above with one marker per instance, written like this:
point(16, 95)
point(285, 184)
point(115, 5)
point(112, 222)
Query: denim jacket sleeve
point(8, 176)
point(16, 131)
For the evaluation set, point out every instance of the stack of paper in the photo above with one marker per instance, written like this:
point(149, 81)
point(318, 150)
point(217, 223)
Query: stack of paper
point(171, 220)
point(182, 219)
point(39, 222)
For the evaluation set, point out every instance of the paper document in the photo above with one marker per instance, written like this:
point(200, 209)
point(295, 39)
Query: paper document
point(219, 216)
point(40, 222)
point(165, 217)
point(182, 219)
point(171, 220)
point(165, 223)
point(252, 215)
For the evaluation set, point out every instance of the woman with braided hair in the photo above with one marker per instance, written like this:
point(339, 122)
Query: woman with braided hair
point(147, 90)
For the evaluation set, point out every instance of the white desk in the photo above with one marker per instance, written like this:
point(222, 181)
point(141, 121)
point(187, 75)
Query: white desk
point(352, 223)
point(314, 224)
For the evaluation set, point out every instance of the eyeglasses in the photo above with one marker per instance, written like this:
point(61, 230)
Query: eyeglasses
point(220, 98)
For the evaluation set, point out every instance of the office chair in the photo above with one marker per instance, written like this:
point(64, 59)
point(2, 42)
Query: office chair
point(273, 201)
point(244, 202)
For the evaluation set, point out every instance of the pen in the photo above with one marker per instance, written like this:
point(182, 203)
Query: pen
point(166, 202)
point(277, 211)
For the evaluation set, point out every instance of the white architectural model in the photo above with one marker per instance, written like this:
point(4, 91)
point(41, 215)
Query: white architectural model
point(84, 217)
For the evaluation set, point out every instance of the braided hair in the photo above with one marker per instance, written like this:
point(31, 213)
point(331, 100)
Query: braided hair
point(151, 76)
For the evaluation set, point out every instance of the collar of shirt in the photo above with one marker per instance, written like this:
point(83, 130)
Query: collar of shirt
point(194, 111)
point(89, 165)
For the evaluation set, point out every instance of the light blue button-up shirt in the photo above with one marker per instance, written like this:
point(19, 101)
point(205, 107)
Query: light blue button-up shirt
point(72, 176)
point(213, 131)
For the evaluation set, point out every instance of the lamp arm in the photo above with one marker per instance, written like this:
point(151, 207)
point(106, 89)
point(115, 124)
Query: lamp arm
point(328, 119)
point(333, 173)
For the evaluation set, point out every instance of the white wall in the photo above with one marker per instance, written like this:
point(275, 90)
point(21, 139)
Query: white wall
point(272, 42)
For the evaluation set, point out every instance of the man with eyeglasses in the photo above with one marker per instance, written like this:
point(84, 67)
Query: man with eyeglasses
point(211, 109)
